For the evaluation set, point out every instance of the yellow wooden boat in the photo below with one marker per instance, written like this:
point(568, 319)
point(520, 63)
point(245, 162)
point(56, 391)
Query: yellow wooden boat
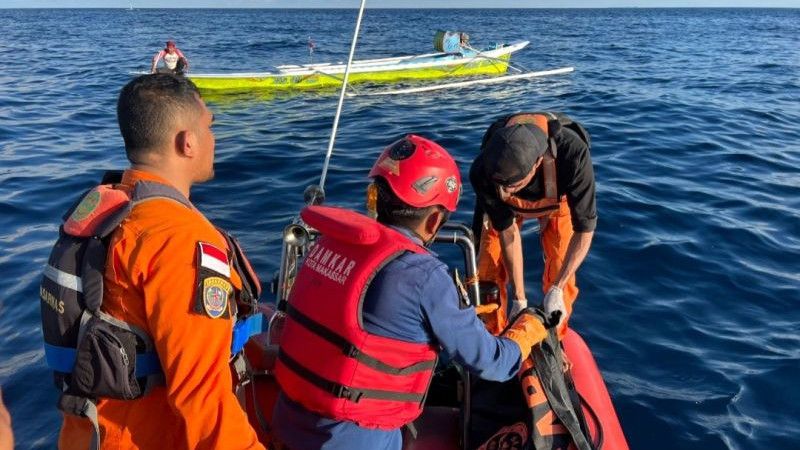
point(385, 70)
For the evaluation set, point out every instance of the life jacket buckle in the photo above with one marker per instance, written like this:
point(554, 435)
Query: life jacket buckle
point(342, 391)
point(352, 351)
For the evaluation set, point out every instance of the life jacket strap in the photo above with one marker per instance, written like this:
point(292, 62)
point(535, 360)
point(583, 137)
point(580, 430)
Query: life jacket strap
point(251, 287)
point(346, 392)
point(62, 359)
point(351, 350)
point(82, 407)
point(519, 208)
point(548, 367)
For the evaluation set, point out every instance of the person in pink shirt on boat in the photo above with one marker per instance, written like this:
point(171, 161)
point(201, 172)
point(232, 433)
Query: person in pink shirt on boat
point(174, 60)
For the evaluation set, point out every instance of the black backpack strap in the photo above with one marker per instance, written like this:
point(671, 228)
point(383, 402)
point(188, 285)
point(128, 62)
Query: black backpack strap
point(251, 287)
point(548, 364)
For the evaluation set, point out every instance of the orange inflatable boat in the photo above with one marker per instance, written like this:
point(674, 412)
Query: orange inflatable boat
point(445, 422)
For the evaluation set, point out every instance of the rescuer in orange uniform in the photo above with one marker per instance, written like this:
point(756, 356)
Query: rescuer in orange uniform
point(534, 166)
point(153, 280)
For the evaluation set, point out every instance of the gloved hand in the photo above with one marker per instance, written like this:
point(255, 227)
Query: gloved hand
point(554, 301)
point(517, 305)
point(484, 310)
point(488, 313)
point(526, 331)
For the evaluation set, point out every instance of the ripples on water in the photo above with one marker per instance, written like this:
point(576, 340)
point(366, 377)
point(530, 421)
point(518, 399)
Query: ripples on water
point(690, 294)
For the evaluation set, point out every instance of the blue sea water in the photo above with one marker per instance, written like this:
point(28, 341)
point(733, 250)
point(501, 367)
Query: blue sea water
point(690, 297)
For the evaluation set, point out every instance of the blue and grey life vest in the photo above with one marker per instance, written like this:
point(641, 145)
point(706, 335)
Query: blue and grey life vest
point(92, 354)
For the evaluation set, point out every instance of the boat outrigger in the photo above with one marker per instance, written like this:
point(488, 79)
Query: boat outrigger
point(430, 66)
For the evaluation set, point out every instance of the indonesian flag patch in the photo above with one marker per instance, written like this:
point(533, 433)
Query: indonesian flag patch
point(213, 287)
point(215, 259)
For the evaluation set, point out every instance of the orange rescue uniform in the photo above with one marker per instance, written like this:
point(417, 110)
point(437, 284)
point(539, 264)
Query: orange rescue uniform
point(150, 282)
point(555, 234)
point(551, 205)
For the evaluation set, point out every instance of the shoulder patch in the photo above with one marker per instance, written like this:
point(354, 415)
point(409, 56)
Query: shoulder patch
point(214, 258)
point(216, 292)
point(213, 288)
point(86, 206)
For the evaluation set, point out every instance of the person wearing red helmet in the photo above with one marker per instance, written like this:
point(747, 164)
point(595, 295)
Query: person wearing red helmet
point(175, 61)
point(372, 309)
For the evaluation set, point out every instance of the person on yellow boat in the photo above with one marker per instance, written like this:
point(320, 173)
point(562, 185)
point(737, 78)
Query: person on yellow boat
point(456, 42)
point(175, 61)
point(372, 307)
point(534, 165)
point(169, 273)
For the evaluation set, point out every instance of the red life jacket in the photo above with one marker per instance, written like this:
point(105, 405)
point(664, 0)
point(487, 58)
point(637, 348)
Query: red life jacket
point(327, 362)
point(548, 205)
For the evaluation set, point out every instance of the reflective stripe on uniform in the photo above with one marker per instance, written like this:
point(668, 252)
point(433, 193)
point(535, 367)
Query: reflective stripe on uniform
point(63, 279)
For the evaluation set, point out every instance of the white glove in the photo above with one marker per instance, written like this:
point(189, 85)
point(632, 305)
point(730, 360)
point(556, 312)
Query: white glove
point(517, 305)
point(554, 301)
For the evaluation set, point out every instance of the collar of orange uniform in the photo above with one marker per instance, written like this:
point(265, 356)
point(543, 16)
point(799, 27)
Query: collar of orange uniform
point(132, 176)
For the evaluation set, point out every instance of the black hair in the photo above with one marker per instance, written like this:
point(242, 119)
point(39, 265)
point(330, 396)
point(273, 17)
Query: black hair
point(393, 211)
point(147, 107)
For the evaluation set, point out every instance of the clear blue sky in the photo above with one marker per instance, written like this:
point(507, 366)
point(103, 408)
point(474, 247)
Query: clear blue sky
point(391, 3)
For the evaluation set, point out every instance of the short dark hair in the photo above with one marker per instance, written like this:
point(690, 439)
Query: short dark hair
point(146, 108)
point(393, 211)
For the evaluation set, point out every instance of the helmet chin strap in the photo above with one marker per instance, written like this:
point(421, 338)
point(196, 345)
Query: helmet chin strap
point(445, 216)
point(419, 236)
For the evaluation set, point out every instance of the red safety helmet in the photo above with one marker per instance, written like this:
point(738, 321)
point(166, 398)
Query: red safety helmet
point(420, 173)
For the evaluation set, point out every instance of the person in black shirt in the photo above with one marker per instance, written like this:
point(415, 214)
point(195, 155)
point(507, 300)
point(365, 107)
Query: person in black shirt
point(534, 166)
